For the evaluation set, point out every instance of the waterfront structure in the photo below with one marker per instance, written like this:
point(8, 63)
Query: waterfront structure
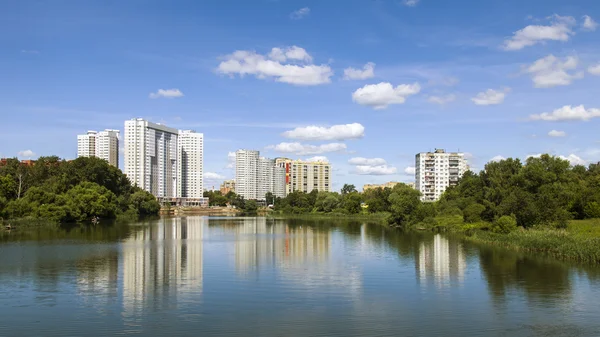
point(255, 176)
point(305, 176)
point(227, 186)
point(190, 150)
point(103, 144)
point(151, 157)
point(436, 171)
point(246, 173)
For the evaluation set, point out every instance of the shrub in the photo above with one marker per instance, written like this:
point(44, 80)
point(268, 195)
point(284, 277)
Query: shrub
point(505, 224)
point(472, 213)
point(592, 210)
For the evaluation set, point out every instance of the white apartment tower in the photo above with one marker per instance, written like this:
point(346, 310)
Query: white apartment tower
point(436, 171)
point(305, 176)
point(103, 144)
point(246, 173)
point(151, 157)
point(190, 149)
point(255, 176)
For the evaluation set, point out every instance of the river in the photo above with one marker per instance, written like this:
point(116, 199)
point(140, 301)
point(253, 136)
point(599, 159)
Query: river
point(202, 276)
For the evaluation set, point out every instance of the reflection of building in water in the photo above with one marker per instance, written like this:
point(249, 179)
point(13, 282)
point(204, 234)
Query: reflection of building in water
point(259, 243)
point(441, 261)
point(162, 259)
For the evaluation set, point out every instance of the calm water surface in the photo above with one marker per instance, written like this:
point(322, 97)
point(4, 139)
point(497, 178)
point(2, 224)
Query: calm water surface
point(263, 277)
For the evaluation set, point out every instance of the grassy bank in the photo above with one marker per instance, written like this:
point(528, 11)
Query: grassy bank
point(317, 215)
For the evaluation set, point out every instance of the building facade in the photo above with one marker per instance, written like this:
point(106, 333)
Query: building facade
point(246, 173)
point(436, 171)
point(190, 149)
point(151, 157)
point(305, 176)
point(103, 144)
point(227, 186)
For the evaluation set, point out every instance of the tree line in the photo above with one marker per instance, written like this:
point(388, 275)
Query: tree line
point(63, 191)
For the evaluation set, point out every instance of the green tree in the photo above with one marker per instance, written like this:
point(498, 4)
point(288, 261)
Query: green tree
point(404, 202)
point(472, 213)
point(88, 200)
point(348, 188)
point(251, 207)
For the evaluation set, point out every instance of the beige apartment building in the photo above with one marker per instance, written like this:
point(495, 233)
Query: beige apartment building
point(305, 176)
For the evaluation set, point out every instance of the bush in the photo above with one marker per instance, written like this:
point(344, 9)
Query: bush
point(592, 210)
point(504, 224)
point(472, 213)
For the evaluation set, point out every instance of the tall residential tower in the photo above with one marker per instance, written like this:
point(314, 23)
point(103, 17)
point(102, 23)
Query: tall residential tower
point(103, 144)
point(436, 171)
point(255, 176)
point(305, 176)
point(190, 149)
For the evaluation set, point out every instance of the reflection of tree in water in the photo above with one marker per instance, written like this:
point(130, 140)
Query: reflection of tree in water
point(541, 280)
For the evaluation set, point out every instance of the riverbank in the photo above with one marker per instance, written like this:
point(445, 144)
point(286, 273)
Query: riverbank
point(371, 216)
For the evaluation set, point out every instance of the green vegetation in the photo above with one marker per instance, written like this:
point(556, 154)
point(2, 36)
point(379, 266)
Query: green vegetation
point(58, 191)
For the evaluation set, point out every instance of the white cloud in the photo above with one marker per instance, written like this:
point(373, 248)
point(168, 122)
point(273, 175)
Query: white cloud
point(368, 71)
point(551, 71)
point(166, 93)
point(560, 29)
point(243, 62)
point(589, 24)
point(410, 170)
point(307, 149)
point(29, 51)
point(26, 154)
point(556, 133)
point(410, 3)
point(595, 69)
point(299, 14)
point(490, 97)
point(574, 160)
point(367, 161)
point(442, 100)
point(375, 170)
point(231, 160)
point(336, 132)
point(497, 158)
point(379, 96)
point(213, 176)
point(568, 113)
point(318, 158)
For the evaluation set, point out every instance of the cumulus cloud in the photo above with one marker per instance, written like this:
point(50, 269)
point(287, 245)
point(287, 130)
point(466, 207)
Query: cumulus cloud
point(300, 13)
point(26, 154)
point(567, 113)
point(231, 160)
point(497, 158)
point(367, 161)
point(595, 69)
point(307, 149)
point(560, 29)
point(490, 97)
point(410, 3)
point(300, 72)
point(589, 24)
point(336, 132)
point(574, 159)
point(380, 170)
point(441, 100)
point(368, 71)
point(410, 170)
point(379, 96)
point(166, 93)
point(552, 71)
point(318, 158)
point(556, 133)
point(213, 176)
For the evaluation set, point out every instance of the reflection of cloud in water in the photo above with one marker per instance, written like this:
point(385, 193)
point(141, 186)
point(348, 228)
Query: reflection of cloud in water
point(161, 262)
point(441, 261)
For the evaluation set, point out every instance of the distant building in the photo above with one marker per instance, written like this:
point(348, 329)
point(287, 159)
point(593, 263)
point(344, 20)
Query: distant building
point(255, 176)
point(227, 186)
point(190, 150)
point(24, 162)
point(151, 157)
point(436, 171)
point(305, 176)
point(390, 184)
point(103, 144)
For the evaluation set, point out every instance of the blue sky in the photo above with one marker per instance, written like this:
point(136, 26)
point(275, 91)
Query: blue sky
point(377, 80)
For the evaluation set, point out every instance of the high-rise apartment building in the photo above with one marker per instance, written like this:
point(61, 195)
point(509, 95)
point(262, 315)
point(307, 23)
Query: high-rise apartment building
point(151, 157)
point(246, 173)
point(305, 176)
point(255, 176)
point(190, 148)
point(103, 144)
point(436, 171)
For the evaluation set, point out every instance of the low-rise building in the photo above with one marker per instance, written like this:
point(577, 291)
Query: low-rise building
point(227, 186)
